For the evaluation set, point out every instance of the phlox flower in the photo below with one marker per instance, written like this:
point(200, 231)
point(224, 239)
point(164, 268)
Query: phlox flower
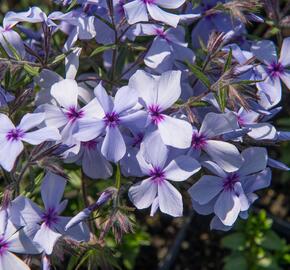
point(273, 70)
point(156, 191)
point(206, 139)
point(157, 94)
point(108, 118)
point(47, 224)
point(229, 195)
point(11, 136)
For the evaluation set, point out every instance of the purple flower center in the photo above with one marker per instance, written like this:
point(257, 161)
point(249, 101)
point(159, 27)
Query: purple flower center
point(3, 246)
point(230, 181)
point(155, 113)
point(274, 70)
point(198, 141)
point(157, 174)
point(50, 217)
point(161, 34)
point(91, 145)
point(148, 1)
point(112, 119)
point(74, 114)
point(14, 134)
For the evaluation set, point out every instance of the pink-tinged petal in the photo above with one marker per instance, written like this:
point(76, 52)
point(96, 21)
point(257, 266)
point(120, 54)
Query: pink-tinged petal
point(24, 212)
point(227, 207)
point(52, 189)
point(262, 131)
point(20, 242)
point(9, 151)
point(158, 54)
point(66, 93)
point(105, 101)
point(257, 181)
point(216, 224)
point(12, 262)
point(89, 129)
point(169, 4)
point(42, 135)
point(154, 207)
point(46, 238)
point(175, 132)
point(284, 55)
point(168, 89)
point(154, 151)
point(143, 193)
point(255, 160)
point(146, 86)
point(205, 189)
point(135, 11)
point(162, 16)
point(72, 63)
point(126, 98)
point(113, 147)
point(226, 155)
point(181, 168)
point(272, 89)
point(286, 78)
point(259, 49)
point(215, 124)
point(170, 200)
point(11, 37)
point(54, 116)
point(31, 120)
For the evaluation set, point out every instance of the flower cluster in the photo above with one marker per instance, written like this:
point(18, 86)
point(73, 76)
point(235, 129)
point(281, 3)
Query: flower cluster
point(175, 110)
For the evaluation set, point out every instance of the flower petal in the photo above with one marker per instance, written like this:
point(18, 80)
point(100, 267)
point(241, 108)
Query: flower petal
point(205, 189)
point(41, 135)
point(169, 4)
point(104, 99)
point(143, 193)
point(181, 168)
point(52, 189)
point(227, 207)
point(226, 155)
point(135, 11)
point(126, 98)
point(259, 49)
point(9, 151)
point(175, 132)
point(113, 147)
point(12, 262)
point(255, 160)
point(284, 55)
point(162, 16)
point(170, 200)
point(66, 93)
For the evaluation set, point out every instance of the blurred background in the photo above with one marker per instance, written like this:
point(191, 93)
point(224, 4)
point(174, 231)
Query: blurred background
point(161, 242)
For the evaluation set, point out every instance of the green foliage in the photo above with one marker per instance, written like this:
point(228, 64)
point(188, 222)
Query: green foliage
point(255, 246)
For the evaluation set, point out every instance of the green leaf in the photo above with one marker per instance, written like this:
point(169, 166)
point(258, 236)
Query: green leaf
point(59, 58)
point(199, 74)
point(221, 98)
point(229, 60)
point(236, 262)
point(102, 49)
point(234, 241)
point(272, 241)
point(33, 71)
